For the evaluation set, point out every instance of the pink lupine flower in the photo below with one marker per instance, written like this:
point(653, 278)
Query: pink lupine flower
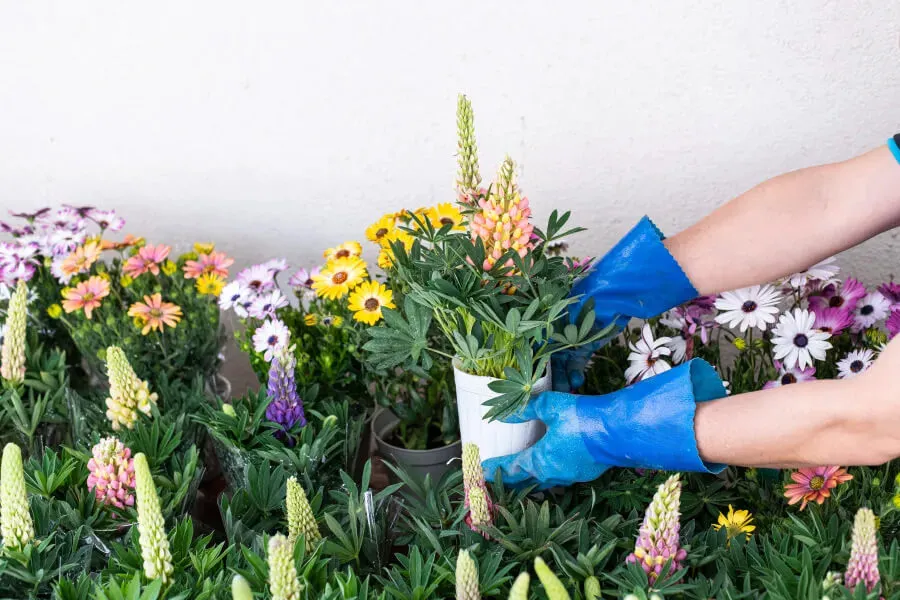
point(658, 540)
point(502, 219)
point(112, 473)
point(147, 259)
point(478, 501)
point(863, 565)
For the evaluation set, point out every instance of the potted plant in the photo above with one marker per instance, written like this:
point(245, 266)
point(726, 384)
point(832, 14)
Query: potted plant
point(493, 287)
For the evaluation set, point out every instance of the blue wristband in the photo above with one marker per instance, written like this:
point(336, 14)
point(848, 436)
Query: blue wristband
point(895, 149)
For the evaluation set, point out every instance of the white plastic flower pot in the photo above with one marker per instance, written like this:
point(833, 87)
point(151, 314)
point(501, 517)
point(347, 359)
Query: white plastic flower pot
point(494, 438)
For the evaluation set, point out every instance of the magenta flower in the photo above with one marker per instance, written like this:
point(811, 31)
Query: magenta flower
point(111, 473)
point(147, 259)
point(658, 540)
point(789, 376)
point(846, 295)
point(863, 565)
point(833, 320)
point(893, 323)
point(891, 291)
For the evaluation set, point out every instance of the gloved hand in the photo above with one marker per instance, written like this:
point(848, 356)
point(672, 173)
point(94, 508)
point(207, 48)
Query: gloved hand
point(636, 278)
point(649, 424)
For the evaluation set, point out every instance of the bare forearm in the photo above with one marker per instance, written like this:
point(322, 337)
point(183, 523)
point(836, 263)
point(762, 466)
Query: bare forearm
point(790, 223)
point(809, 424)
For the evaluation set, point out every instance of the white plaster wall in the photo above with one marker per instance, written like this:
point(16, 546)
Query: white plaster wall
point(278, 128)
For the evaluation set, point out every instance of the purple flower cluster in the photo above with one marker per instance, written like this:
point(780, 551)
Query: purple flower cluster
point(50, 234)
point(286, 407)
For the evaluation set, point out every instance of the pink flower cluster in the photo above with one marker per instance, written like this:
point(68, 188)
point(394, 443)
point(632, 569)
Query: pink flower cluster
point(658, 540)
point(503, 221)
point(112, 473)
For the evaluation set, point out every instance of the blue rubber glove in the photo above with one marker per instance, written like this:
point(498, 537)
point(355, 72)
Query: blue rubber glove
point(649, 424)
point(636, 278)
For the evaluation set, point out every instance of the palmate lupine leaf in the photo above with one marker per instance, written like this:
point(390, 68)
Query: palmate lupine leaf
point(401, 339)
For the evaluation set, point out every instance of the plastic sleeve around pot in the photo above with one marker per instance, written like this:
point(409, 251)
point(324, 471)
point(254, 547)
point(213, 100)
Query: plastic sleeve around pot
point(638, 277)
point(651, 423)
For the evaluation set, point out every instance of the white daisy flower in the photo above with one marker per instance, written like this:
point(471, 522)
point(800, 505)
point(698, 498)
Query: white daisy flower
point(855, 363)
point(265, 306)
point(233, 297)
point(277, 265)
point(796, 341)
point(646, 356)
point(678, 345)
point(755, 306)
point(271, 338)
point(871, 309)
point(823, 271)
point(258, 278)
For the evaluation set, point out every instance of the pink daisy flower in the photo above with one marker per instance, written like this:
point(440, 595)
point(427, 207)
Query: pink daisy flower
point(106, 219)
point(214, 263)
point(257, 278)
point(87, 295)
point(833, 320)
point(789, 376)
point(893, 323)
point(814, 484)
point(891, 291)
point(147, 259)
point(846, 296)
point(304, 278)
point(277, 265)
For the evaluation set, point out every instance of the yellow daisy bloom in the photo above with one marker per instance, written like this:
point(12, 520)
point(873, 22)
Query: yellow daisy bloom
point(380, 228)
point(169, 267)
point(209, 284)
point(367, 301)
point(311, 319)
point(339, 276)
point(736, 523)
point(201, 248)
point(345, 250)
point(386, 256)
point(446, 214)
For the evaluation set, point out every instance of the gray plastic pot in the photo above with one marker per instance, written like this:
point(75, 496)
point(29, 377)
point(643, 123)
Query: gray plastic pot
point(434, 462)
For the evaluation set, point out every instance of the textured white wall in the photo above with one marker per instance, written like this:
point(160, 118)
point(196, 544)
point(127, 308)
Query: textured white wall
point(279, 128)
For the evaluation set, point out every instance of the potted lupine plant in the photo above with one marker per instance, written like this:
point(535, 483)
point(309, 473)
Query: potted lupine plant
point(493, 287)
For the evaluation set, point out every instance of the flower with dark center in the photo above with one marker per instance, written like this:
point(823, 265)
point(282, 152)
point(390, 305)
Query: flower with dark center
point(800, 340)
point(749, 306)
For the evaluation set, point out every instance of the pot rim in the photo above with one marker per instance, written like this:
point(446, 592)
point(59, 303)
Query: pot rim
point(378, 411)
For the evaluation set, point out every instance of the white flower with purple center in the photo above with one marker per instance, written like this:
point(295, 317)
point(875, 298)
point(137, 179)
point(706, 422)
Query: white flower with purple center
point(63, 242)
point(646, 356)
point(276, 265)
point(678, 344)
point(788, 376)
point(754, 306)
point(233, 297)
point(855, 363)
point(304, 278)
point(271, 338)
point(823, 272)
point(265, 305)
point(106, 219)
point(871, 309)
point(796, 340)
point(65, 218)
point(257, 279)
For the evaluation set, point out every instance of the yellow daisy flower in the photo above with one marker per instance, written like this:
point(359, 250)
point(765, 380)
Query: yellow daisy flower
point(339, 276)
point(386, 256)
point(201, 248)
point(311, 319)
point(209, 284)
point(446, 214)
point(380, 228)
point(736, 523)
point(169, 267)
point(345, 250)
point(367, 301)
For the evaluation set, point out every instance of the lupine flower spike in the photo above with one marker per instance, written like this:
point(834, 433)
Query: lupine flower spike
point(553, 587)
point(591, 588)
point(240, 589)
point(128, 394)
point(478, 501)
point(12, 356)
point(658, 538)
point(502, 220)
point(151, 525)
point(300, 516)
point(519, 590)
point(283, 582)
point(16, 525)
point(111, 473)
point(468, 178)
point(286, 407)
point(466, 577)
point(863, 565)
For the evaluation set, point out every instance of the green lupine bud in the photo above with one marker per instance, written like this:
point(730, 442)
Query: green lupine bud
point(301, 520)
point(477, 499)
point(151, 525)
point(553, 587)
point(833, 579)
point(283, 581)
point(240, 589)
point(228, 410)
point(478, 507)
point(466, 577)
point(128, 394)
point(467, 175)
point(12, 355)
point(519, 589)
point(591, 588)
point(15, 518)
